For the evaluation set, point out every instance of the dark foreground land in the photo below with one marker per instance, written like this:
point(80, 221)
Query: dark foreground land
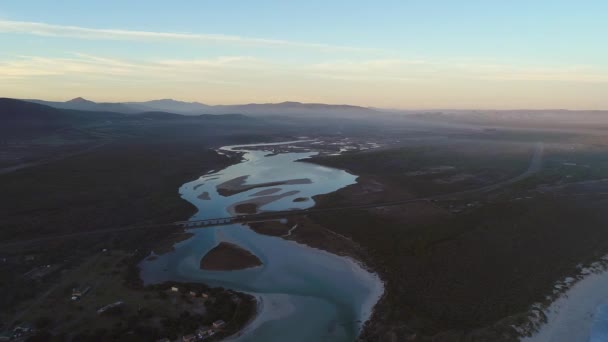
point(66, 175)
point(131, 177)
point(468, 267)
point(120, 184)
point(462, 267)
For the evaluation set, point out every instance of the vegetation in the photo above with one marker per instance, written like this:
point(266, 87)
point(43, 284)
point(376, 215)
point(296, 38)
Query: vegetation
point(458, 269)
point(436, 168)
point(131, 178)
point(146, 313)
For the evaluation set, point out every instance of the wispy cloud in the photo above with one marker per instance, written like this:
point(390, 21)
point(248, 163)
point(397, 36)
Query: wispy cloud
point(50, 30)
point(408, 70)
point(237, 69)
point(91, 68)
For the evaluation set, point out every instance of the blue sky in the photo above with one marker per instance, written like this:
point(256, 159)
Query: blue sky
point(403, 54)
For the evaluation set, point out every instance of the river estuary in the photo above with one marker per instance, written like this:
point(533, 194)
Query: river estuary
point(304, 294)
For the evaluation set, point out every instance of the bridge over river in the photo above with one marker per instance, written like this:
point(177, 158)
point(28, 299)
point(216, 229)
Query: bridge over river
point(276, 215)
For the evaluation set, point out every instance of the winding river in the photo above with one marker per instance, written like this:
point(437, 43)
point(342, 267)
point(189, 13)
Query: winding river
point(304, 294)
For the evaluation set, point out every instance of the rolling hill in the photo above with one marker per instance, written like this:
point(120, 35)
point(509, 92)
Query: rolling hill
point(197, 108)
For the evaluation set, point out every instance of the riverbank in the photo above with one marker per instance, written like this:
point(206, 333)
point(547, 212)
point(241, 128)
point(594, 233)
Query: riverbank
point(321, 240)
point(269, 307)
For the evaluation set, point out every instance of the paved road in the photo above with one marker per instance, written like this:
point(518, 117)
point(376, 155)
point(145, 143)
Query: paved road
point(536, 162)
point(534, 166)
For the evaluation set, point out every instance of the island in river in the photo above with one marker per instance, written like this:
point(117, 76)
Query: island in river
point(238, 185)
point(229, 257)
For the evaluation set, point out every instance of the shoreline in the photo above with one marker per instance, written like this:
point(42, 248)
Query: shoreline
point(380, 290)
point(357, 265)
point(264, 312)
point(568, 315)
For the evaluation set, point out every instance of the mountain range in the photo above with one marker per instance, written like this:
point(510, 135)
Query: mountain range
point(197, 108)
point(19, 118)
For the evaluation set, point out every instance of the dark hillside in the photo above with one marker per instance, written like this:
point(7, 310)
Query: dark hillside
point(20, 119)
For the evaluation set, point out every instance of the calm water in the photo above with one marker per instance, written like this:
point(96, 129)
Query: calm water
point(305, 294)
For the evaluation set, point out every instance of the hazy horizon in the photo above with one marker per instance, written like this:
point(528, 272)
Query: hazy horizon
point(414, 55)
point(307, 103)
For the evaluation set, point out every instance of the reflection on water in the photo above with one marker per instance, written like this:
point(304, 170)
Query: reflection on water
point(306, 294)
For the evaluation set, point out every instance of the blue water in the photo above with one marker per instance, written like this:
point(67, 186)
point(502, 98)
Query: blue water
point(599, 329)
point(305, 294)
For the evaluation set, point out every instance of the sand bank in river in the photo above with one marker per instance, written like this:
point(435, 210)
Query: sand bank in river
point(237, 185)
point(246, 208)
point(272, 228)
point(229, 257)
point(266, 192)
point(260, 201)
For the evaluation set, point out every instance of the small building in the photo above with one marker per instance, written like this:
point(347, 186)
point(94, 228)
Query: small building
point(23, 328)
point(192, 293)
point(218, 324)
point(78, 293)
point(174, 289)
point(204, 295)
point(203, 332)
point(189, 338)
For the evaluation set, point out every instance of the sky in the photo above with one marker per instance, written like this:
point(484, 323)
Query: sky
point(426, 54)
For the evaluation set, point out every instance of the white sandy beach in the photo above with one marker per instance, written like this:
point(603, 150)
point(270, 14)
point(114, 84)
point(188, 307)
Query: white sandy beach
point(570, 317)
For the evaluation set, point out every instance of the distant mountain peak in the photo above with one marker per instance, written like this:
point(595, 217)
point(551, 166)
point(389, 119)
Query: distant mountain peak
point(168, 101)
point(79, 100)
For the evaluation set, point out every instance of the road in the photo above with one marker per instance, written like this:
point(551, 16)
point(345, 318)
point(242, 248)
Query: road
point(534, 166)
